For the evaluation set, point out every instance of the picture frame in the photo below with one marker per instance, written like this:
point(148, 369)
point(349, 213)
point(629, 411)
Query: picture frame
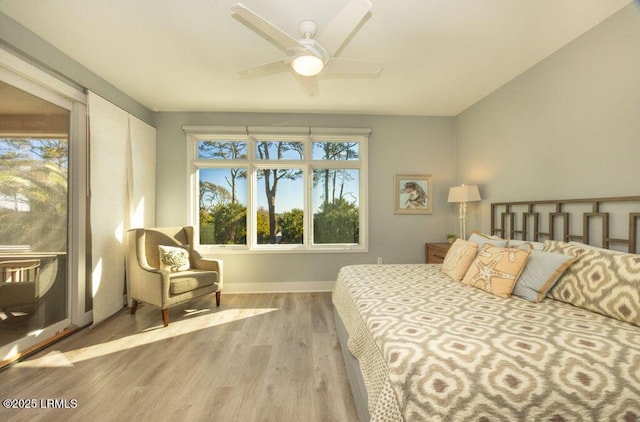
point(413, 194)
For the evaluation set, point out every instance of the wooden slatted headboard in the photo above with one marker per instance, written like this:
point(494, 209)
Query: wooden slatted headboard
point(605, 222)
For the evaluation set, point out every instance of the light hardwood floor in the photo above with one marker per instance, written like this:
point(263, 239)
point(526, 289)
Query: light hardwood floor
point(259, 357)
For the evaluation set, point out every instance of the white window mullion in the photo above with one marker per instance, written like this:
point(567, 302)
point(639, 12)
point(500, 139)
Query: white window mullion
point(308, 200)
point(252, 199)
point(364, 195)
point(252, 179)
point(192, 185)
point(308, 208)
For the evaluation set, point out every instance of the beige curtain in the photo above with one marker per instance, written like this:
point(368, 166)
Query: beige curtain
point(122, 185)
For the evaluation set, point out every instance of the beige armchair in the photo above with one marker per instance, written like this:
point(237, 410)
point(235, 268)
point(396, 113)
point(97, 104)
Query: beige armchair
point(151, 282)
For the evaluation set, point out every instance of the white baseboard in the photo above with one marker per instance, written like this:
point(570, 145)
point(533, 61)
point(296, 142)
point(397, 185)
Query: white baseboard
point(279, 287)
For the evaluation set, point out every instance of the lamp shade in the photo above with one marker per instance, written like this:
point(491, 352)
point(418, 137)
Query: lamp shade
point(464, 193)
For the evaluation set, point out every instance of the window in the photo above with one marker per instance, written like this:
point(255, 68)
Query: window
point(222, 192)
point(292, 190)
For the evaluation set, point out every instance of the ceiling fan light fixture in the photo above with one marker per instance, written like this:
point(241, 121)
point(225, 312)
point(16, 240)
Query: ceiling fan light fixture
point(307, 65)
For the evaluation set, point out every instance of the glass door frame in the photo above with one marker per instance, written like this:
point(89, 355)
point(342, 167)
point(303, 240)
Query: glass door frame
point(25, 76)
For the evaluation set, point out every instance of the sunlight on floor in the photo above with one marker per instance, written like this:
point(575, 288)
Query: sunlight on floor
point(56, 359)
point(14, 350)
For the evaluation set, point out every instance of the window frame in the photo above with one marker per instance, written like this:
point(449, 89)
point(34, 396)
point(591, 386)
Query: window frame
point(286, 134)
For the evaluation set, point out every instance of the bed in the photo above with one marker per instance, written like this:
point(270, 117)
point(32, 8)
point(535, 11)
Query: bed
point(423, 342)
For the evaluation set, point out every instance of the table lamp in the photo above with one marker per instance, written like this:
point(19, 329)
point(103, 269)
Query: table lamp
point(463, 194)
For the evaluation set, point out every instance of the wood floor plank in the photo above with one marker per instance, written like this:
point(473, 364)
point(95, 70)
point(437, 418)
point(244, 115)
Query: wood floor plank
point(258, 357)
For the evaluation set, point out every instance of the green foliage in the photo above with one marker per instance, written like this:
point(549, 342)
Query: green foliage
point(225, 224)
point(289, 223)
point(292, 225)
point(336, 222)
point(33, 191)
point(262, 228)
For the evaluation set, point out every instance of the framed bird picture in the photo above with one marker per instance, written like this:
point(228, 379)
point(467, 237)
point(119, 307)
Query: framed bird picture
point(413, 194)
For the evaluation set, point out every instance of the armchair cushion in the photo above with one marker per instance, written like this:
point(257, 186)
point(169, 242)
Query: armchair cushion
point(186, 281)
point(174, 258)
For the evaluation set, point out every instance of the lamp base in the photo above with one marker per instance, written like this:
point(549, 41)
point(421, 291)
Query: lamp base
point(463, 220)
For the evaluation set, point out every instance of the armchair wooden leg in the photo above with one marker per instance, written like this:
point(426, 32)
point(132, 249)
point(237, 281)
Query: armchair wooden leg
point(218, 298)
point(165, 317)
point(134, 306)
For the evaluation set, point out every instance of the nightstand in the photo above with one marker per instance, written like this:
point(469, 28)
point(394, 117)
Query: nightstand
point(435, 252)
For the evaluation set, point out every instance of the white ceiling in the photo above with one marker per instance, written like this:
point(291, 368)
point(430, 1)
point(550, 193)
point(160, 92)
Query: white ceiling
point(439, 56)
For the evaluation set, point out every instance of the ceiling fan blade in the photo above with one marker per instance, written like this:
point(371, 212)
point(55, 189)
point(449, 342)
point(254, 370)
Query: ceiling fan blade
point(309, 83)
point(266, 69)
point(348, 67)
point(265, 28)
point(344, 25)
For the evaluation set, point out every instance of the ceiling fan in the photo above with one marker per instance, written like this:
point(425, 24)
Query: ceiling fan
point(310, 57)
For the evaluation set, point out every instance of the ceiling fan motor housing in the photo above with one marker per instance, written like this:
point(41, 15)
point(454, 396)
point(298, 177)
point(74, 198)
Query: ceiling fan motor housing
point(307, 29)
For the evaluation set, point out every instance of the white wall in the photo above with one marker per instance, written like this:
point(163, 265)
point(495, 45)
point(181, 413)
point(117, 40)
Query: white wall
point(413, 145)
point(567, 128)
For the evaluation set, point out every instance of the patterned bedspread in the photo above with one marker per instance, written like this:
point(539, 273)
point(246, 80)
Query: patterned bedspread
point(432, 349)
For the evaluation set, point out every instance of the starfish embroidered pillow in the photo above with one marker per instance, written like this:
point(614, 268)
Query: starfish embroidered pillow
point(496, 270)
point(458, 258)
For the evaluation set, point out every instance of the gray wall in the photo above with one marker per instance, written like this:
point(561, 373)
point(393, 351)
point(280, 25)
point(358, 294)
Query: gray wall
point(567, 128)
point(397, 145)
point(30, 47)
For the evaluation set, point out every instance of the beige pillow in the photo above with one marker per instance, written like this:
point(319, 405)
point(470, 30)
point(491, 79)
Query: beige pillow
point(496, 269)
point(174, 258)
point(459, 256)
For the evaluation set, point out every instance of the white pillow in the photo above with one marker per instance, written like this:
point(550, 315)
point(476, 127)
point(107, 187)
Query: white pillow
point(174, 258)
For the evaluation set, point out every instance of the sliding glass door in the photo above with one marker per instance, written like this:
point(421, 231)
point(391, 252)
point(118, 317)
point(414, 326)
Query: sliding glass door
point(34, 219)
